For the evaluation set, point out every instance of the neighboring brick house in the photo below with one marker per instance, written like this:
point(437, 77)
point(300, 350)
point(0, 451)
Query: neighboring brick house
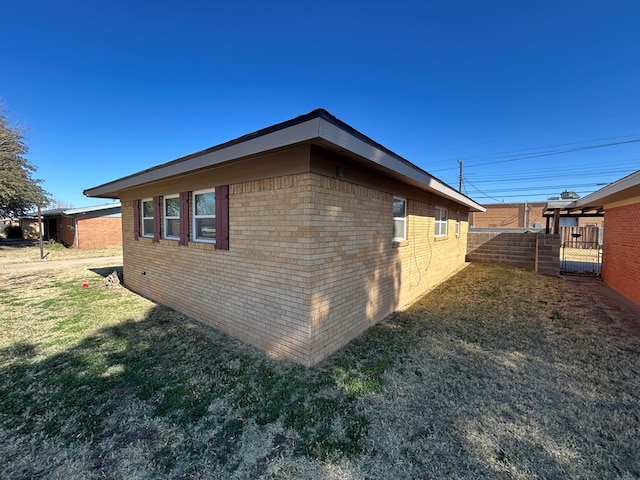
point(509, 215)
point(528, 215)
point(295, 238)
point(82, 228)
point(621, 251)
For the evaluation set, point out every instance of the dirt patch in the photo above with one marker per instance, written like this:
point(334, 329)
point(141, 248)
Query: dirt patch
point(604, 304)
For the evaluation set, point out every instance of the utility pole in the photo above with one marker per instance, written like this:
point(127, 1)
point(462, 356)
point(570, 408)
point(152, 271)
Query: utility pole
point(460, 178)
point(40, 231)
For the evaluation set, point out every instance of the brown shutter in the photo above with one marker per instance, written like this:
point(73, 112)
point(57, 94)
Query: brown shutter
point(136, 219)
point(222, 217)
point(156, 218)
point(184, 218)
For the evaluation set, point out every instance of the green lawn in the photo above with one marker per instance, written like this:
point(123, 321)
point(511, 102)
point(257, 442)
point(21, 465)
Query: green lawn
point(498, 373)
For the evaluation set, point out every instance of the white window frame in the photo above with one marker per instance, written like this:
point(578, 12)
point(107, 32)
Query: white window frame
point(403, 219)
point(143, 218)
point(167, 218)
point(441, 227)
point(196, 236)
point(457, 224)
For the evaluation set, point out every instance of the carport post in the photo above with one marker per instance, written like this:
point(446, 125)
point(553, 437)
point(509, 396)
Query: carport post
point(556, 220)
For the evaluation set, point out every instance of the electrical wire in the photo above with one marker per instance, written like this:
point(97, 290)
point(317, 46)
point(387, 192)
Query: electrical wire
point(532, 154)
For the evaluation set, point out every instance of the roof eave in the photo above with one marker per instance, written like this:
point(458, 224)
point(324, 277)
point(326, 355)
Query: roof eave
point(317, 126)
point(612, 192)
point(375, 153)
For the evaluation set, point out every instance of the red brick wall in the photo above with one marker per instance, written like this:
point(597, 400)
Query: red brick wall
point(621, 254)
point(99, 232)
point(65, 232)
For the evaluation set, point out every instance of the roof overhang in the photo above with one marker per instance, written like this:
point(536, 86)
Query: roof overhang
point(97, 208)
point(593, 205)
point(618, 191)
point(316, 128)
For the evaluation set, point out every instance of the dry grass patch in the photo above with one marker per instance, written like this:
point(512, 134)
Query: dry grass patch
point(498, 373)
point(25, 252)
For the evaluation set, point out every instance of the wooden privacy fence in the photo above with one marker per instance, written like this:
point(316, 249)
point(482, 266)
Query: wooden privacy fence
point(579, 237)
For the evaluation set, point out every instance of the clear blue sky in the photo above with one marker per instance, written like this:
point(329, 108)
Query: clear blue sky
point(105, 89)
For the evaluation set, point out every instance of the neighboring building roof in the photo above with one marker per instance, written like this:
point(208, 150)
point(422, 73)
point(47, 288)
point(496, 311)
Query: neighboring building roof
point(97, 208)
point(54, 212)
point(318, 127)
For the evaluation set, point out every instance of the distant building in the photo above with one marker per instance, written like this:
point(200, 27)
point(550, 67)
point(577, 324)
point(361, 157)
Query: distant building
point(526, 215)
point(82, 228)
point(509, 215)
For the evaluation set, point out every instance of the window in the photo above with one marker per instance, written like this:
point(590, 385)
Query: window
point(441, 222)
point(399, 219)
point(147, 218)
point(172, 217)
point(457, 224)
point(204, 216)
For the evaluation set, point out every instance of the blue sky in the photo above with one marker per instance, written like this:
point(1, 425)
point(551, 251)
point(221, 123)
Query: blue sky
point(533, 96)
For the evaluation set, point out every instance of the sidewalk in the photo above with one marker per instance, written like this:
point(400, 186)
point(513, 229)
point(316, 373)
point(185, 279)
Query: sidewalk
point(60, 264)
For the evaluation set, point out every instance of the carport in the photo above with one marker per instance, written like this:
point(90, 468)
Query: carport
point(580, 246)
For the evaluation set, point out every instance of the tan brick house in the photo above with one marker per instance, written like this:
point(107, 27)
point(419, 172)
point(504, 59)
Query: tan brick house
point(295, 238)
point(83, 228)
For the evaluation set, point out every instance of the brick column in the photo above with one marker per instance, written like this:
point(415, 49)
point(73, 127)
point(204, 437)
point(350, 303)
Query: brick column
point(548, 254)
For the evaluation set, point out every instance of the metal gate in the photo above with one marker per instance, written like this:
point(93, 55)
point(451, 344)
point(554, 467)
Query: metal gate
point(581, 258)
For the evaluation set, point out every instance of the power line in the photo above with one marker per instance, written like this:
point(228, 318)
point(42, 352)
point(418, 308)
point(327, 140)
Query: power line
point(530, 153)
point(546, 187)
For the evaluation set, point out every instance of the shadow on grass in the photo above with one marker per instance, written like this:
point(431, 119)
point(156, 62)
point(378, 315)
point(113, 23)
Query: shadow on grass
point(106, 271)
point(184, 398)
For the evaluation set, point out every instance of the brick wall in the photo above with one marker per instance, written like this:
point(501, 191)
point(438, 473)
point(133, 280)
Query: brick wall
point(99, 232)
point(65, 231)
point(532, 251)
point(621, 252)
point(509, 215)
point(515, 249)
point(311, 264)
point(257, 290)
point(548, 254)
